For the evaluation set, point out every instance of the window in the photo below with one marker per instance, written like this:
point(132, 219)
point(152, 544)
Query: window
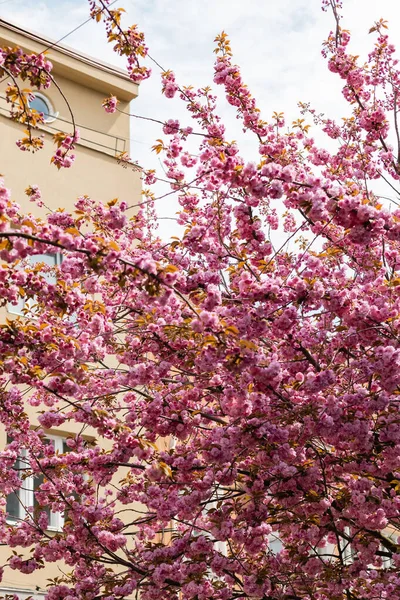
point(43, 105)
point(219, 546)
point(387, 561)
point(19, 500)
point(330, 552)
point(51, 260)
point(22, 501)
point(347, 551)
point(275, 543)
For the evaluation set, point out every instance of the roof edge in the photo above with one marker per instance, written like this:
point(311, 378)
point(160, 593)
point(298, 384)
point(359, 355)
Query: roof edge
point(72, 60)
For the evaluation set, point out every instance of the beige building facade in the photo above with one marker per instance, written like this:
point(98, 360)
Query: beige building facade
point(85, 83)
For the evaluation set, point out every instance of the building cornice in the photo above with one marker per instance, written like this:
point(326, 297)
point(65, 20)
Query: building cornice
point(69, 63)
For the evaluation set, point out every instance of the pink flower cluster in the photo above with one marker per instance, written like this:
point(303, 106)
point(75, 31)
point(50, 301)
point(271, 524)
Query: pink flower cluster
point(169, 85)
point(233, 391)
point(110, 104)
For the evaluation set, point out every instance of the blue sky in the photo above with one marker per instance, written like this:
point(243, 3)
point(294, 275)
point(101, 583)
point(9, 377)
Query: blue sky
point(277, 43)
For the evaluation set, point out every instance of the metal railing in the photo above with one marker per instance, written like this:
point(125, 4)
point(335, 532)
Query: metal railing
point(115, 145)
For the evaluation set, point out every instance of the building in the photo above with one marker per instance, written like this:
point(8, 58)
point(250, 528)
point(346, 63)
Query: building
point(84, 82)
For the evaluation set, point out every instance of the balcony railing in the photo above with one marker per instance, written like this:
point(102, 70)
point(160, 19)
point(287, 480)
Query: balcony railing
point(89, 137)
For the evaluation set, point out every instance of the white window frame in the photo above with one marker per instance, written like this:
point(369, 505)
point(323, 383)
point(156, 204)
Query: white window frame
point(333, 552)
point(219, 545)
point(387, 562)
point(56, 519)
point(51, 115)
point(18, 309)
point(26, 492)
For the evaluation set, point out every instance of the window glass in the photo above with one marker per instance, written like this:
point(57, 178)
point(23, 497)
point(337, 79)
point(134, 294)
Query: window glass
point(17, 501)
point(48, 259)
point(275, 544)
point(37, 482)
point(23, 499)
point(42, 105)
point(13, 505)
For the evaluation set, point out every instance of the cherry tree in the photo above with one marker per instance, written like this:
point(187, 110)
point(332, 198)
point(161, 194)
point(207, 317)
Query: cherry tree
point(236, 400)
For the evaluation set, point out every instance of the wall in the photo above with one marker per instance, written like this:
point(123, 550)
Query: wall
point(94, 173)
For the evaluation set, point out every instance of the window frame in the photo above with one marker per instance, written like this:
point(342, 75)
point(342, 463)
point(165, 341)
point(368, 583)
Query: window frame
point(52, 114)
point(18, 309)
point(26, 493)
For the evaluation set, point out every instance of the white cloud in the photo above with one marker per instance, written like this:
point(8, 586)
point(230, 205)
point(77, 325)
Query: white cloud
point(277, 43)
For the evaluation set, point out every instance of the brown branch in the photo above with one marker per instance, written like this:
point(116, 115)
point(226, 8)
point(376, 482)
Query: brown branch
point(310, 358)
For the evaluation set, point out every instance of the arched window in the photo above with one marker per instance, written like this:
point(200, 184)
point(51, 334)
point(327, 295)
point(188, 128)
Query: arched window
point(42, 104)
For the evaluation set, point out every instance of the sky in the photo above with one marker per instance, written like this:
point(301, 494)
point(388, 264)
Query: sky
point(277, 44)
